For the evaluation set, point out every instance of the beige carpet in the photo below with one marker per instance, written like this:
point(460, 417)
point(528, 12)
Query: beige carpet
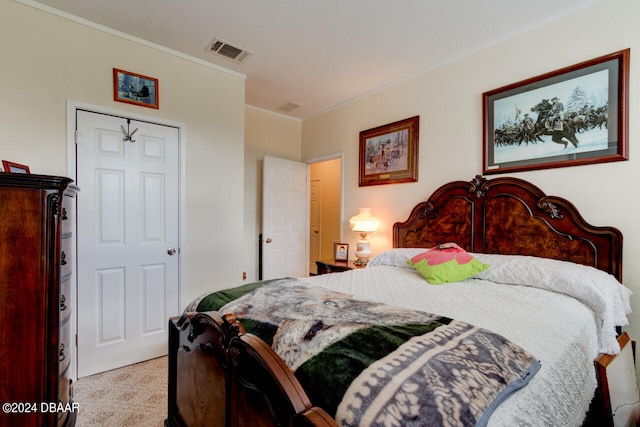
point(132, 396)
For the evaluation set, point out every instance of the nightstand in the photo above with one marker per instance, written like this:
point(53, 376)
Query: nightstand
point(326, 266)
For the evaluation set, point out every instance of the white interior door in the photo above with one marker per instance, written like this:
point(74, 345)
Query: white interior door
point(285, 219)
point(315, 232)
point(128, 255)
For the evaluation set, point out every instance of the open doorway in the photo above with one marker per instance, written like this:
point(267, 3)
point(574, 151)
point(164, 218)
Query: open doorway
point(325, 209)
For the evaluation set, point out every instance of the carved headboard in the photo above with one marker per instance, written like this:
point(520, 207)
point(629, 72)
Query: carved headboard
point(509, 216)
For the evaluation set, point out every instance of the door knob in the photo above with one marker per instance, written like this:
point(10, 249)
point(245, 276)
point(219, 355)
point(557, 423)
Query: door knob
point(268, 240)
point(171, 251)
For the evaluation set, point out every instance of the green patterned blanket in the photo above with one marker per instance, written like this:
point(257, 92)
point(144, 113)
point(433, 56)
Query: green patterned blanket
point(368, 363)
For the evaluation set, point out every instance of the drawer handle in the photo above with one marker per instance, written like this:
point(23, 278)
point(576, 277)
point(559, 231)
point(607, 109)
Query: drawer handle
point(63, 306)
point(62, 356)
point(63, 258)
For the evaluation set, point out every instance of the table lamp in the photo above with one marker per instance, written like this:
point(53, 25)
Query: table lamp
point(363, 223)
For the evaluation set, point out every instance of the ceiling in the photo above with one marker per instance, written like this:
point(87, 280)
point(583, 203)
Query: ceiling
point(320, 54)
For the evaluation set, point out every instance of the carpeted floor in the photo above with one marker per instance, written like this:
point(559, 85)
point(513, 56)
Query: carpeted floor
point(132, 396)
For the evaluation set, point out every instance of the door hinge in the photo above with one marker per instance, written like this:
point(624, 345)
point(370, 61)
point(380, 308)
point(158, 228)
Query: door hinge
point(75, 136)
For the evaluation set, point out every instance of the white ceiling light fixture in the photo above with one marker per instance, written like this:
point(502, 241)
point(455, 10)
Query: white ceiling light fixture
point(228, 50)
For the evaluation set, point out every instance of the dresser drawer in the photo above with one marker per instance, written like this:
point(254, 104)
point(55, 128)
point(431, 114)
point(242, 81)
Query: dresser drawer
point(64, 346)
point(66, 214)
point(66, 257)
point(65, 300)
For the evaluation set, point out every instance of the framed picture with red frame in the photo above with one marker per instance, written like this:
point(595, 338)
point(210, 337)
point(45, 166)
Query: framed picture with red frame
point(136, 89)
point(11, 167)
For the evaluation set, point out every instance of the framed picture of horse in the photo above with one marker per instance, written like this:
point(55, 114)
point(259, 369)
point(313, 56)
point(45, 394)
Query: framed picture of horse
point(574, 116)
point(389, 153)
point(135, 89)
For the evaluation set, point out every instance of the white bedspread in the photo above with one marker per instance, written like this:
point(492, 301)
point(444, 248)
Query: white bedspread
point(561, 331)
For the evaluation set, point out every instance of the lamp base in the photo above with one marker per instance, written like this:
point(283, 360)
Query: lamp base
point(361, 262)
point(363, 251)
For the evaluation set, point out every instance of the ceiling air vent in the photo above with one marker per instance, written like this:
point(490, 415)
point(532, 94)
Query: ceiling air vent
point(289, 106)
point(229, 51)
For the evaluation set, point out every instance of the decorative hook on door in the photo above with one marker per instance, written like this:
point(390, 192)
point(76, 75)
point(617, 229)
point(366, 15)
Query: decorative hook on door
point(127, 135)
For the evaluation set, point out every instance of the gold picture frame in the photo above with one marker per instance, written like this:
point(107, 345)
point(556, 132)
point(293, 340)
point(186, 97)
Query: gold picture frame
point(389, 153)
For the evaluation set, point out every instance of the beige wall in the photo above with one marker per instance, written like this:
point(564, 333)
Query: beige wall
point(449, 102)
point(266, 134)
point(46, 60)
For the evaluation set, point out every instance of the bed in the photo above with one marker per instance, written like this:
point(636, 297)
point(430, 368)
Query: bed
point(551, 298)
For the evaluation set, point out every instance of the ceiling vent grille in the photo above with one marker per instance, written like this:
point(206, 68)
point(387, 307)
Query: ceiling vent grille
point(289, 106)
point(229, 51)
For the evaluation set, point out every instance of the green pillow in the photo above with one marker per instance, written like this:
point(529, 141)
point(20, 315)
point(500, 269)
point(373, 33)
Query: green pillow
point(446, 263)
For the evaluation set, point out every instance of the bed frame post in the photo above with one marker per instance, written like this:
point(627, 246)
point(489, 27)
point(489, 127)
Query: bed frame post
point(231, 378)
point(198, 346)
point(172, 409)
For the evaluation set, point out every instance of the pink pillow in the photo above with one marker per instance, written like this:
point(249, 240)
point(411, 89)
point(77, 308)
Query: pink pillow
point(447, 262)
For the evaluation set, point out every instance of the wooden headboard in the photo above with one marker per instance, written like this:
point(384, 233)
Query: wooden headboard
point(509, 216)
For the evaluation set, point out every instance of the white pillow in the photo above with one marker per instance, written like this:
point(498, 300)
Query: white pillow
point(396, 257)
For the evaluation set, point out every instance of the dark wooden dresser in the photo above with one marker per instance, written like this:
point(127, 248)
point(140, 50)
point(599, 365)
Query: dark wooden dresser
point(36, 259)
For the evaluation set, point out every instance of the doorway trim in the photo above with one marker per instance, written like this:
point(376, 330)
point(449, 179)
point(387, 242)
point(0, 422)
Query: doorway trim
point(72, 108)
point(324, 159)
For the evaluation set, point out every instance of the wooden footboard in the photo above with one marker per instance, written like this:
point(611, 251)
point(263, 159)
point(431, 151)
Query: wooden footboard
point(219, 375)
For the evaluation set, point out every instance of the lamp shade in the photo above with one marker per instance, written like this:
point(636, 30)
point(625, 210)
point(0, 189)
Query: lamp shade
point(364, 221)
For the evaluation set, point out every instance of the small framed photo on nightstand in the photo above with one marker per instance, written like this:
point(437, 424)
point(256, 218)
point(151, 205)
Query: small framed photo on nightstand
point(340, 251)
